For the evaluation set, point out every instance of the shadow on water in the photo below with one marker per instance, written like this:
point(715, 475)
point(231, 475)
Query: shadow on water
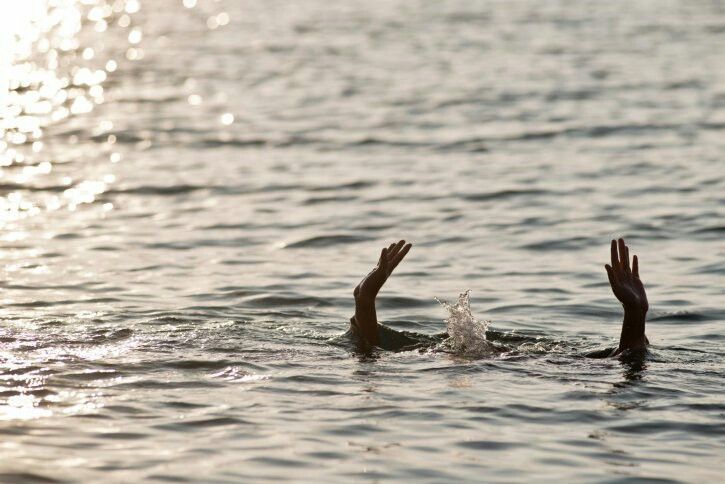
point(626, 394)
point(634, 364)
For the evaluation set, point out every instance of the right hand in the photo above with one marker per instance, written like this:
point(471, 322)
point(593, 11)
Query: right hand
point(389, 259)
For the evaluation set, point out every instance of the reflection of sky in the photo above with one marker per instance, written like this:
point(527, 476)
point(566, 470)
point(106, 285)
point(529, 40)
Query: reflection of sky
point(47, 75)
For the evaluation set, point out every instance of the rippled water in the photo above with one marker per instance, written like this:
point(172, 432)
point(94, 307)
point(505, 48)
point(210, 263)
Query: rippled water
point(190, 191)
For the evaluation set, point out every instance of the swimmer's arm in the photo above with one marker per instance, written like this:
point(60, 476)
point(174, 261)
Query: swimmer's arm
point(629, 290)
point(365, 321)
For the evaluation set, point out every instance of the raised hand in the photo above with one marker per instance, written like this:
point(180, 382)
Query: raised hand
point(628, 288)
point(389, 259)
point(365, 322)
point(625, 281)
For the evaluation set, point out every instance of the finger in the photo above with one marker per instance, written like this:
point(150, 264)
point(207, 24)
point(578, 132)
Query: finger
point(623, 261)
point(610, 274)
point(390, 253)
point(383, 261)
point(614, 257)
point(396, 249)
point(635, 267)
point(627, 268)
point(401, 255)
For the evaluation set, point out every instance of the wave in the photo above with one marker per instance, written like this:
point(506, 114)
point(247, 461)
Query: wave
point(504, 194)
point(160, 189)
point(327, 241)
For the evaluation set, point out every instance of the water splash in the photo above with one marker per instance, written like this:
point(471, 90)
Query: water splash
point(466, 334)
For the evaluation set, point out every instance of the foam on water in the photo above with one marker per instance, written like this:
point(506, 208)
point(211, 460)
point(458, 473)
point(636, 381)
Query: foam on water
point(466, 334)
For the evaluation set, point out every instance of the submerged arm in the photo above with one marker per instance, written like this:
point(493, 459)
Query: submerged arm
point(628, 288)
point(365, 321)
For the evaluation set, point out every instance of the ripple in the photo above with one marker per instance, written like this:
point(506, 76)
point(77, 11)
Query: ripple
point(487, 445)
point(203, 423)
point(320, 241)
point(160, 190)
point(29, 477)
point(505, 194)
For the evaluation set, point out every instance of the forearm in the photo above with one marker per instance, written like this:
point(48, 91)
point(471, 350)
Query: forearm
point(632, 336)
point(366, 319)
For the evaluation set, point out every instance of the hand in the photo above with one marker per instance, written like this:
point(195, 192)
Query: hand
point(390, 257)
point(625, 281)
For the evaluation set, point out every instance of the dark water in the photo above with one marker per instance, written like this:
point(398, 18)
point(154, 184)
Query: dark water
point(182, 229)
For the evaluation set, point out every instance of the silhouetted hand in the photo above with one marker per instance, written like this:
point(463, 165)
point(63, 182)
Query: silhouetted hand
point(390, 257)
point(625, 281)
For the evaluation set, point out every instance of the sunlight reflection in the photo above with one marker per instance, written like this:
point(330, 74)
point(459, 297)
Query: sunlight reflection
point(49, 73)
point(28, 362)
point(23, 407)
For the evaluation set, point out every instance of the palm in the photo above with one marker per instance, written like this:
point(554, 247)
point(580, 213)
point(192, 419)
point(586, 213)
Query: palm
point(390, 257)
point(625, 281)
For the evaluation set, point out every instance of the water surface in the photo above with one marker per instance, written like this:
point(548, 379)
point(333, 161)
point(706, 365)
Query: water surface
point(191, 190)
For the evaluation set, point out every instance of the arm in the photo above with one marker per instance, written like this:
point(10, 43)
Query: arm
point(365, 321)
point(628, 288)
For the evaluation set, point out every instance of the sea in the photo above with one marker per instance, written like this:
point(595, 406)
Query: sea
point(191, 190)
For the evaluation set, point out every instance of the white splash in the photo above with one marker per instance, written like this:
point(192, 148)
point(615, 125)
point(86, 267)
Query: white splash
point(466, 334)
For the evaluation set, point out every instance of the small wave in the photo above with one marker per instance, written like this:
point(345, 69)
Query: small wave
point(26, 477)
point(104, 336)
point(234, 373)
point(285, 142)
point(159, 190)
point(12, 187)
point(286, 300)
point(571, 243)
point(679, 316)
point(150, 99)
point(466, 335)
point(354, 185)
point(714, 232)
point(504, 194)
point(234, 143)
point(373, 141)
point(62, 302)
point(326, 241)
point(468, 146)
point(321, 200)
point(185, 425)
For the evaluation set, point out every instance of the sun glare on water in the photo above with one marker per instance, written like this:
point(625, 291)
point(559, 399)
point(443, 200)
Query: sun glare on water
point(54, 65)
point(55, 61)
